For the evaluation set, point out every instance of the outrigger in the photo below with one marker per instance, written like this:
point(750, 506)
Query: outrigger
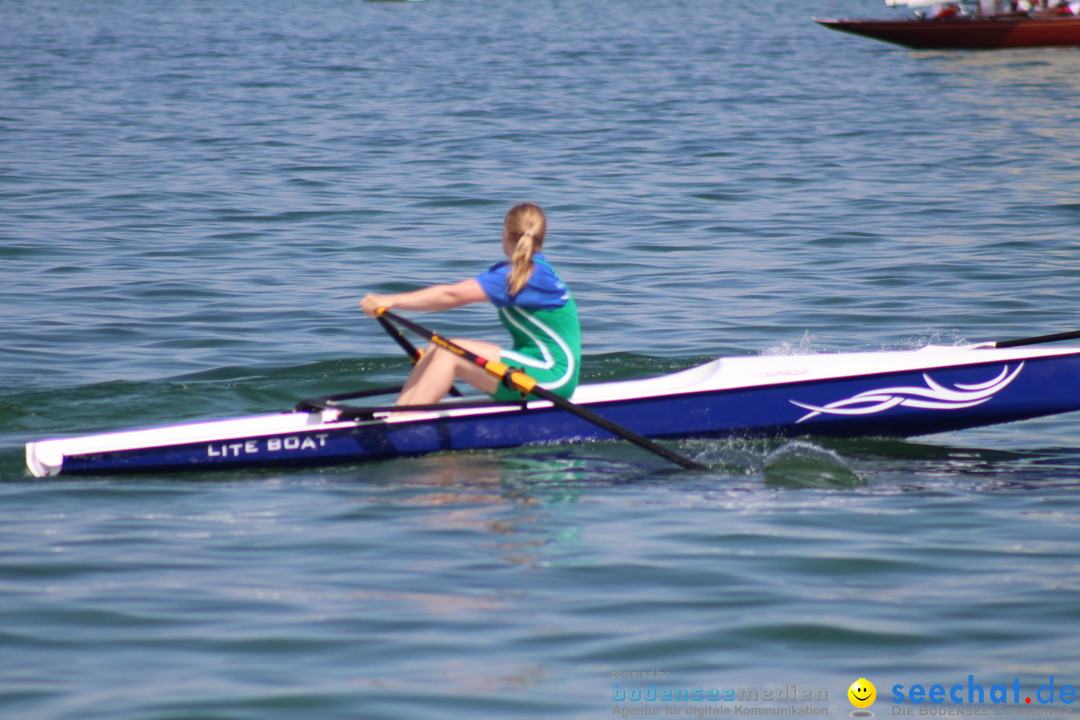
point(858, 394)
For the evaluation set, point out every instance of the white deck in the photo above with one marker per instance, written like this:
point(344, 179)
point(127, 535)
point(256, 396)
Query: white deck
point(728, 373)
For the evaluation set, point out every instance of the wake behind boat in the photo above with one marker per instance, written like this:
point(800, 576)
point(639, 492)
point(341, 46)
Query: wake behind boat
point(860, 394)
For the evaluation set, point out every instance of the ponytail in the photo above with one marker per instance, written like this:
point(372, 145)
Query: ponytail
point(521, 264)
point(524, 225)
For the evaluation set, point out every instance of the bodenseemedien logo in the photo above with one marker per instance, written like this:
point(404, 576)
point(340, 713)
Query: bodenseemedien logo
point(862, 694)
point(664, 697)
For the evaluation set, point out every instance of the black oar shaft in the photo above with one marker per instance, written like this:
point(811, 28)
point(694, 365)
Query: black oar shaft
point(1040, 339)
point(410, 349)
point(522, 382)
point(402, 341)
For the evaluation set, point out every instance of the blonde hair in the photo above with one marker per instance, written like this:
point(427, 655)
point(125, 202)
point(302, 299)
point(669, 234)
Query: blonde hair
point(525, 226)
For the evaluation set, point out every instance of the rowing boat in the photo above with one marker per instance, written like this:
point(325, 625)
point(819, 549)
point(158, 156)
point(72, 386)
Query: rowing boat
point(858, 394)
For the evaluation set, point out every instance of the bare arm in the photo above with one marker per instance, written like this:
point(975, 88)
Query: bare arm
point(429, 299)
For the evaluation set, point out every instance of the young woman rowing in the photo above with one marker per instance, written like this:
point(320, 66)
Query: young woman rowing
point(533, 304)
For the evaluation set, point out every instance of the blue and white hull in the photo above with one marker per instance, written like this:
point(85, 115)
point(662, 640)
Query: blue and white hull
point(887, 394)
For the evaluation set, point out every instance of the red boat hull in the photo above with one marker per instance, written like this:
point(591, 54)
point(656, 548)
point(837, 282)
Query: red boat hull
point(990, 33)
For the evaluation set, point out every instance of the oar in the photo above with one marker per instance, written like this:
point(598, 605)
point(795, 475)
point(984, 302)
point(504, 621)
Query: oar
point(523, 383)
point(410, 349)
point(1039, 339)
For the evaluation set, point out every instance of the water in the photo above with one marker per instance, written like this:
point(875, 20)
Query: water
point(194, 195)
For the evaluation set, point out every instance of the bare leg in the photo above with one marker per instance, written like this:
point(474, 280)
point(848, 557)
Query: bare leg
point(436, 372)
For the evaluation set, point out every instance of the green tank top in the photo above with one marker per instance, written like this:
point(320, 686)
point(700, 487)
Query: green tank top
point(546, 345)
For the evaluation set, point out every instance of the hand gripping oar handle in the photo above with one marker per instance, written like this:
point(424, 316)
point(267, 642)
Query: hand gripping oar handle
point(411, 350)
point(518, 380)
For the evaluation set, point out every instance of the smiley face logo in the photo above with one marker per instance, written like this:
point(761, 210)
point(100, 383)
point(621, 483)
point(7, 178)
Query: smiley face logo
point(862, 693)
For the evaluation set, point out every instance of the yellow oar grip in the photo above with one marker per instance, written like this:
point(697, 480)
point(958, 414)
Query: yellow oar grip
point(522, 382)
point(518, 379)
